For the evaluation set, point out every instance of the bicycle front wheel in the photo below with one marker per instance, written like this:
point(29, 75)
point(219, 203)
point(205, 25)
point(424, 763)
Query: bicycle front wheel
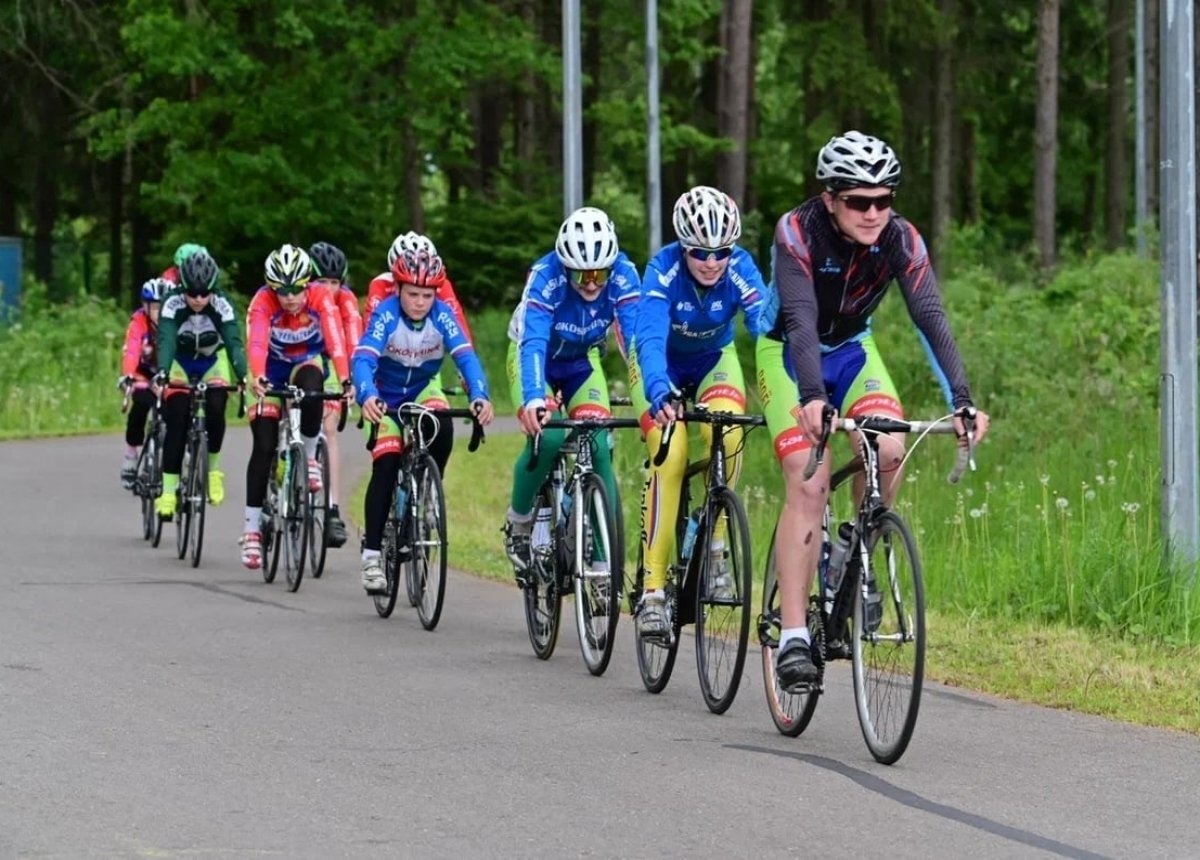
point(722, 598)
point(197, 499)
point(791, 712)
point(888, 640)
point(386, 602)
point(297, 521)
point(655, 655)
point(183, 513)
point(598, 573)
point(149, 486)
point(270, 531)
point(427, 514)
point(319, 502)
point(541, 593)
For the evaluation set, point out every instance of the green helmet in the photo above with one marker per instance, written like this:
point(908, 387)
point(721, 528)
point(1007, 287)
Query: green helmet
point(186, 250)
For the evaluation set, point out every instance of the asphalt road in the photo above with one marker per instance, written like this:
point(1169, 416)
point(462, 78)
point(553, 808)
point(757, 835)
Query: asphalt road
point(152, 710)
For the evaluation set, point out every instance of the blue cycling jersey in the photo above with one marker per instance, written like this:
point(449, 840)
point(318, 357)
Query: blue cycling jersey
point(554, 323)
point(679, 320)
point(397, 357)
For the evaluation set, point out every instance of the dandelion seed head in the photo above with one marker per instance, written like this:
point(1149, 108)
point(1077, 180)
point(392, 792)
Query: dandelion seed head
point(1100, 480)
point(976, 513)
point(1045, 480)
point(1090, 495)
point(1112, 464)
point(1062, 503)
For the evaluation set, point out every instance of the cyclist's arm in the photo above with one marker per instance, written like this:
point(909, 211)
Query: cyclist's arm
point(919, 285)
point(321, 304)
point(173, 307)
point(751, 291)
point(798, 305)
point(352, 320)
point(231, 333)
point(541, 298)
point(650, 340)
point(365, 362)
point(447, 295)
point(468, 363)
point(625, 292)
point(258, 333)
point(134, 335)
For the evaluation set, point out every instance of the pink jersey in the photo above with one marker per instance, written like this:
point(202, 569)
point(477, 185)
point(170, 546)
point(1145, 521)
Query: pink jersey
point(352, 321)
point(383, 286)
point(138, 360)
point(275, 336)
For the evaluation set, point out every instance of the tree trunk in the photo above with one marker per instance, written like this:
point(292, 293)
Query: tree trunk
point(1116, 192)
point(943, 133)
point(733, 95)
point(1151, 98)
point(525, 112)
point(1045, 135)
point(142, 231)
point(972, 199)
point(116, 224)
point(414, 166)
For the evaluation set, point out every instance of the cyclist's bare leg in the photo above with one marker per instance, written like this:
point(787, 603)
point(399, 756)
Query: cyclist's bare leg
point(335, 462)
point(798, 538)
point(891, 475)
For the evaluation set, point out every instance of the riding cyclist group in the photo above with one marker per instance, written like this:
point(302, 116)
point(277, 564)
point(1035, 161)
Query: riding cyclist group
point(833, 259)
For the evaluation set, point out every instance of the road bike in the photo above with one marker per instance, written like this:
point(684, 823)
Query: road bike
point(414, 534)
point(577, 545)
point(694, 594)
point(288, 509)
point(875, 615)
point(147, 481)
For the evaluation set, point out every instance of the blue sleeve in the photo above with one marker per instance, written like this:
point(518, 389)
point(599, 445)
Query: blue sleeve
point(650, 343)
point(365, 360)
point(541, 298)
point(462, 352)
point(628, 293)
point(752, 293)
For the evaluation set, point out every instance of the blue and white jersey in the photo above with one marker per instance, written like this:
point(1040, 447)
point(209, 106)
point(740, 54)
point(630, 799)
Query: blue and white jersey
point(554, 323)
point(396, 357)
point(678, 319)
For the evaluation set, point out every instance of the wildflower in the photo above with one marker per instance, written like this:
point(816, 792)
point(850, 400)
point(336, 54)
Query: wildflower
point(1112, 464)
point(976, 513)
point(1062, 503)
point(1100, 480)
point(1131, 508)
point(1045, 480)
point(1090, 495)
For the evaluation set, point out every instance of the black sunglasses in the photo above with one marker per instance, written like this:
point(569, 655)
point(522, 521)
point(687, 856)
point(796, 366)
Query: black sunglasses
point(863, 203)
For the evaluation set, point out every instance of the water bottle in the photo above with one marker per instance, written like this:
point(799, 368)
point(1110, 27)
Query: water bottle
point(541, 529)
point(689, 536)
point(568, 502)
point(401, 502)
point(837, 559)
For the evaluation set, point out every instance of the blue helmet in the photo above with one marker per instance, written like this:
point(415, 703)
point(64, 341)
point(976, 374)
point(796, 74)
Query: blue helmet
point(155, 289)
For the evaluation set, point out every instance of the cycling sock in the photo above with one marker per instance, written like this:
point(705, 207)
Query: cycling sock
point(214, 461)
point(253, 520)
point(170, 483)
point(787, 634)
point(520, 522)
point(131, 452)
point(368, 554)
point(310, 446)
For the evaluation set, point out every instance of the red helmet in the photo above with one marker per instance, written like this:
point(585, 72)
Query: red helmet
point(420, 268)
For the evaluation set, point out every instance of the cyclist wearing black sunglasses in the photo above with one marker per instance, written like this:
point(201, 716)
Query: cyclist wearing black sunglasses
point(692, 290)
point(572, 296)
point(199, 339)
point(834, 258)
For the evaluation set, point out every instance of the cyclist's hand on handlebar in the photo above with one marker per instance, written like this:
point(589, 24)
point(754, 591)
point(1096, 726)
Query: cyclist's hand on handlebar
point(259, 386)
point(483, 411)
point(532, 416)
point(347, 391)
point(665, 414)
point(980, 428)
point(812, 420)
point(373, 409)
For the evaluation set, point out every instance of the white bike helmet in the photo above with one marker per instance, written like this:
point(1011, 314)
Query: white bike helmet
point(587, 240)
point(288, 266)
point(707, 218)
point(854, 159)
point(410, 241)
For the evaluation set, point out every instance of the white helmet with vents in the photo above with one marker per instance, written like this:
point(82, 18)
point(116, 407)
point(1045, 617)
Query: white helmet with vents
point(410, 241)
point(288, 266)
point(854, 160)
point(587, 240)
point(707, 218)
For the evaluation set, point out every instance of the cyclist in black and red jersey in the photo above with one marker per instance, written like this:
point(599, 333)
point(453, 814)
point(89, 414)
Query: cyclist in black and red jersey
point(833, 260)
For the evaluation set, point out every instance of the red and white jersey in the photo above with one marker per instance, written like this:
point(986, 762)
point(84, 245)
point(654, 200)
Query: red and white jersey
point(140, 343)
point(352, 321)
point(384, 286)
point(275, 336)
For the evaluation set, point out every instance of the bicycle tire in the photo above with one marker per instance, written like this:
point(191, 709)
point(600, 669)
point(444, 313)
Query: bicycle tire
point(880, 652)
point(597, 592)
point(319, 505)
point(412, 584)
point(198, 499)
point(541, 595)
point(183, 514)
point(268, 527)
point(722, 621)
point(790, 712)
point(147, 479)
point(386, 602)
point(295, 525)
point(427, 526)
point(655, 658)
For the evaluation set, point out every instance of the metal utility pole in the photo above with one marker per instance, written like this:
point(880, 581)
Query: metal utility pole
point(653, 145)
point(1177, 172)
point(1141, 204)
point(572, 110)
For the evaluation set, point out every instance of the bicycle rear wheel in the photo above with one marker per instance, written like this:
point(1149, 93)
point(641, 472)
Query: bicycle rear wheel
point(542, 595)
point(198, 499)
point(598, 575)
point(319, 536)
point(722, 608)
point(270, 532)
point(148, 479)
point(386, 602)
point(655, 656)
point(888, 652)
point(791, 712)
point(297, 522)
